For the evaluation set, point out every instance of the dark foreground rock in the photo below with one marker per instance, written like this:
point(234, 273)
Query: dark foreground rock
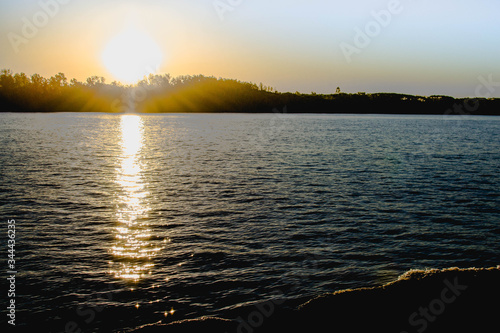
point(450, 300)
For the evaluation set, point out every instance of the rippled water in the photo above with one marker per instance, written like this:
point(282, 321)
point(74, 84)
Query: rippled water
point(130, 219)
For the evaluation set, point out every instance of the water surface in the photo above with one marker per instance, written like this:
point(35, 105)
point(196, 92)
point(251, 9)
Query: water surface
point(130, 219)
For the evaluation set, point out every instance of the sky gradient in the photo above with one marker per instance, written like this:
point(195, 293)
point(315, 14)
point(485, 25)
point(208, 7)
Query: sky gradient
point(423, 47)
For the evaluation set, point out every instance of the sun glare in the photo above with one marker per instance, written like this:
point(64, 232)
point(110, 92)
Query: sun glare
point(132, 249)
point(131, 55)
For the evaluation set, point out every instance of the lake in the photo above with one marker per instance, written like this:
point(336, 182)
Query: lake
point(123, 220)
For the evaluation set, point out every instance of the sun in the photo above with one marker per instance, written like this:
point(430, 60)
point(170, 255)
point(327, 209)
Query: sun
point(131, 55)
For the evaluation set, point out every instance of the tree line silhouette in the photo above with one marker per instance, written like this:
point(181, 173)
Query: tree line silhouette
point(198, 93)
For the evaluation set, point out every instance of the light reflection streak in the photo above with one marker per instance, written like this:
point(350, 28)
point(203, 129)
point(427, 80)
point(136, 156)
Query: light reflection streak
point(132, 249)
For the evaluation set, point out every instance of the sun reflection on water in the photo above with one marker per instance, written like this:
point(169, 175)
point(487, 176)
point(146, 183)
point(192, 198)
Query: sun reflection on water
point(132, 249)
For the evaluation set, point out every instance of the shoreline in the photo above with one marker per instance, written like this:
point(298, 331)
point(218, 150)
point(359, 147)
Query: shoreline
point(257, 112)
point(435, 300)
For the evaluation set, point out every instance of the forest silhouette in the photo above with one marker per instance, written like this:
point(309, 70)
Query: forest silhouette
point(164, 93)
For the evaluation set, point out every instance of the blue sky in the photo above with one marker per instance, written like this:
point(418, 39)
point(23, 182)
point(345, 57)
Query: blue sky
point(427, 47)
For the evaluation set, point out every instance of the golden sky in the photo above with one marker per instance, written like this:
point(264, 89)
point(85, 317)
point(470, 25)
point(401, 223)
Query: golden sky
point(417, 47)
